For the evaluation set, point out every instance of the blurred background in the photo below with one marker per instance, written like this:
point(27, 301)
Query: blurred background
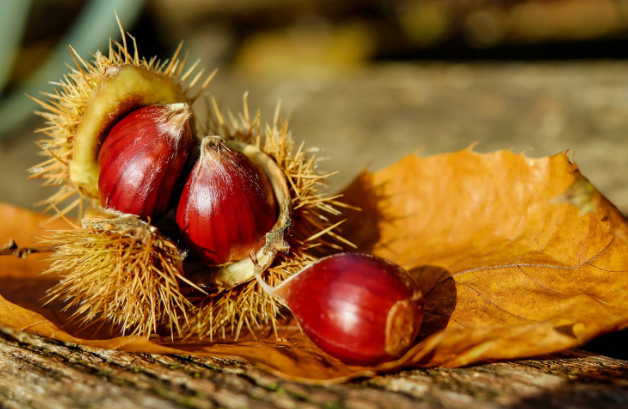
point(367, 81)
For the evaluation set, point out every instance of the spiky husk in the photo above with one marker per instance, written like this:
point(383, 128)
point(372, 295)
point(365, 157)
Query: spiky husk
point(64, 108)
point(312, 234)
point(131, 278)
point(102, 269)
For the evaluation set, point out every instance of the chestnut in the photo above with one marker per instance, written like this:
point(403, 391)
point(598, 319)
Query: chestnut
point(227, 205)
point(359, 308)
point(142, 158)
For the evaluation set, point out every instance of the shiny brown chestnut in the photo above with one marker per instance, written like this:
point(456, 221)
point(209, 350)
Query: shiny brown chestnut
point(142, 158)
point(359, 308)
point(227, 205)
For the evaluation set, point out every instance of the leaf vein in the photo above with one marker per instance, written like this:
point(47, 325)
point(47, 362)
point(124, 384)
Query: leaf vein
point(496, 305)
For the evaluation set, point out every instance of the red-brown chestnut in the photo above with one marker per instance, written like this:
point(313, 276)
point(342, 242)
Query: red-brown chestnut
point(227, 206)
point(142, 159)
point(359, 308)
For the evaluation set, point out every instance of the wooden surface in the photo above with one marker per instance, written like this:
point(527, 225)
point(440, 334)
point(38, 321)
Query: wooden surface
point(40, 373)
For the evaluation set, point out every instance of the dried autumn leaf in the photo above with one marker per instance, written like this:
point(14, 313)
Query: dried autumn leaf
point(517, 257)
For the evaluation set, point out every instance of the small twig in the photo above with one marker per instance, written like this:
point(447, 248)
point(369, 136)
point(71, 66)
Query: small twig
point(12, 249)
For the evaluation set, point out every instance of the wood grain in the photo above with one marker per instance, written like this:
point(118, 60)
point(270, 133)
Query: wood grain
point(37, 372)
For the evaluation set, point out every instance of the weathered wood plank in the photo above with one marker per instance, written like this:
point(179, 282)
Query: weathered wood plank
point(36, 372)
